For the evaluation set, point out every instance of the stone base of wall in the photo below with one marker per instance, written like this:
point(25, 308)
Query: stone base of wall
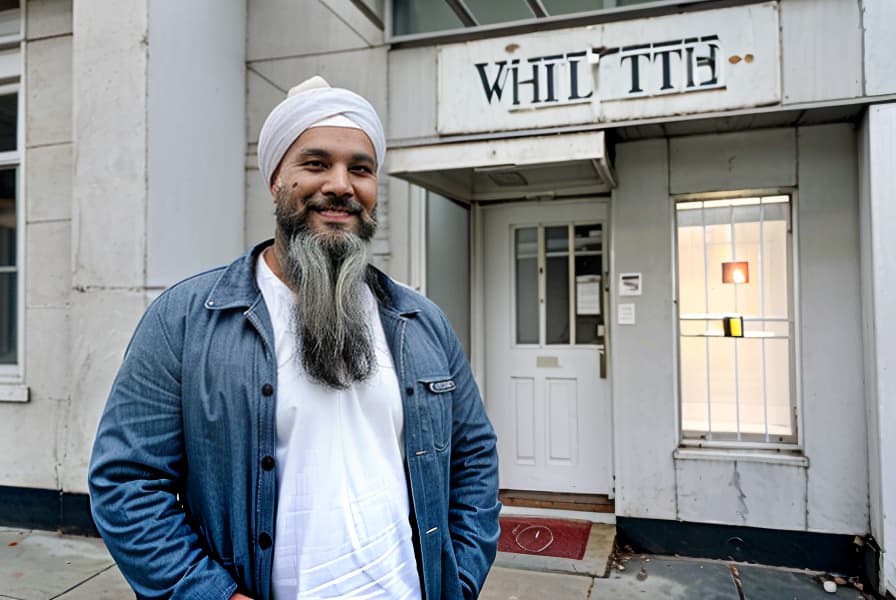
point(53, 510)
point(842, 554)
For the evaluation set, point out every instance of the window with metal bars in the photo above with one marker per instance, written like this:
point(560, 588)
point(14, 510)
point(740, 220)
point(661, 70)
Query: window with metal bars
point(735, 322)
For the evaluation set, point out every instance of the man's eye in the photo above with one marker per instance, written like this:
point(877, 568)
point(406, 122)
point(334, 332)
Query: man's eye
point(362, 169)
point(316, 164)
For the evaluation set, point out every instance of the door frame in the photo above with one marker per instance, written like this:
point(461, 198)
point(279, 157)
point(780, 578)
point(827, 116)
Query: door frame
point(478, 309)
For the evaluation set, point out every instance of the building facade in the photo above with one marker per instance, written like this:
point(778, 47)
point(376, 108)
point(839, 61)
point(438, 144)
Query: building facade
point(660, 229)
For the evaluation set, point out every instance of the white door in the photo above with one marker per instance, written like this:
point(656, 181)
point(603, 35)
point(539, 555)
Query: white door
point(546, 390)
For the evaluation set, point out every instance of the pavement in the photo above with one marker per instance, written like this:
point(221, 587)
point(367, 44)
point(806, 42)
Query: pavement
point(43, 565)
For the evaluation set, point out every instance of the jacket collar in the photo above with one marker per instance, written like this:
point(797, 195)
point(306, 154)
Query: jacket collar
point(237, 288)
point(392, 297)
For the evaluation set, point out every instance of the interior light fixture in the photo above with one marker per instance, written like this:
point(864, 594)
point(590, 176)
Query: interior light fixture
point(736, 272)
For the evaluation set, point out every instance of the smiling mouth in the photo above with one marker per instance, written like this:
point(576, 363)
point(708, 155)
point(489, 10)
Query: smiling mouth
point(335, 214)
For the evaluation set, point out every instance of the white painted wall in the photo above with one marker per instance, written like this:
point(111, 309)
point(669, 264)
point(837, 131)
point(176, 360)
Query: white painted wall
point(448, 262)
point(878, 212)
point(642, 364)
point(404, 214)
point(879, 25)
point(734, 491)
point(196, 137)
point(412, 93)
point(744, 160)
point(829, 491)
point(872, 410)
point(821, 50)
point(831, 364)
point(285, 28)
point(109, 204)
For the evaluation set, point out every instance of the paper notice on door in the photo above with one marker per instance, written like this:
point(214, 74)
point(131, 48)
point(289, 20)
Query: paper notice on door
point(588, 294)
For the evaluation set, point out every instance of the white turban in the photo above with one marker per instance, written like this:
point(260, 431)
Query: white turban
point(308, 105)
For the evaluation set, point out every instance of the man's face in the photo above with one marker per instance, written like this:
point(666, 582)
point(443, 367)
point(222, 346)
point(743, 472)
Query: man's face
point(328, 178)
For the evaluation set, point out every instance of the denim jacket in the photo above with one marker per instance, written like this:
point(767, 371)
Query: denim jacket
point(183, 477)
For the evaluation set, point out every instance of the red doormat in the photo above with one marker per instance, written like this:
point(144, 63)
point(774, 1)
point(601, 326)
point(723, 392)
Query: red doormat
point(560, 538)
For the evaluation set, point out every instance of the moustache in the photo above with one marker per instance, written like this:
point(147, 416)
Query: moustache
point(349, 205)
point(292, 213)
point(294, 220)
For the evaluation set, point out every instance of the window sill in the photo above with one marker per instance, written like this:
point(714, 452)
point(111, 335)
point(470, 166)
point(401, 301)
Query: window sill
point(13, 392)
point(790, 458)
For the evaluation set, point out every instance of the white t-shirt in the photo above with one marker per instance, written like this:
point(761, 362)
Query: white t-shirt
point(342, 527)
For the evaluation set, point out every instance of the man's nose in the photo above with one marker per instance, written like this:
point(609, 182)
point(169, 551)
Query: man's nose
point(338, 181)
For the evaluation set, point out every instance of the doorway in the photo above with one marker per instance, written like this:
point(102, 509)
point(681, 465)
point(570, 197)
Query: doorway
point(547, 392)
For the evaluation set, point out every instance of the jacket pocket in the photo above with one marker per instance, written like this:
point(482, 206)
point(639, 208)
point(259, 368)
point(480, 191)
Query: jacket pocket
point(437, 399)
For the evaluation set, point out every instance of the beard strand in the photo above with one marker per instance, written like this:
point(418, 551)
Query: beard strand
point(327, 270)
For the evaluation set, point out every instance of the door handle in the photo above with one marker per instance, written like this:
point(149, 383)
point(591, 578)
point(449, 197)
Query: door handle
point(602, 353)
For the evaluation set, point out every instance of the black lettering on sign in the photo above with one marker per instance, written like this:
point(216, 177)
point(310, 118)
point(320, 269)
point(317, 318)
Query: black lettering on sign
point(574, 76)
point(494, 88)
point(673, 66)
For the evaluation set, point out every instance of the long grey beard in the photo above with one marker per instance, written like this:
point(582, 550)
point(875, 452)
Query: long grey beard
point(328, 274)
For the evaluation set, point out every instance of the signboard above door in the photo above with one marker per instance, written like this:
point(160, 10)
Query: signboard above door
point(706, 61)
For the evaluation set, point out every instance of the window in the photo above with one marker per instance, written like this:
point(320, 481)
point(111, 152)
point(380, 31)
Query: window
point(411, 17)
point(10, 21)
point(736, 351)
point(558, 270)
point(10, 159)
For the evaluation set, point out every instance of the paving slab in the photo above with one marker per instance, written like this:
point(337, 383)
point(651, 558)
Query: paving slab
point(107, 585)
point(515, 584)
point(760, 583)
point(37, 565)
point(594, 563)
point(668, 578)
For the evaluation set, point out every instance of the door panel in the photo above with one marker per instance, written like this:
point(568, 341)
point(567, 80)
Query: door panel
point(562, 421)
point(544, 268)
point(524, 404)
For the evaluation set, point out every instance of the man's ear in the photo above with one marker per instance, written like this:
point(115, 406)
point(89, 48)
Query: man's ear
point(276, 186)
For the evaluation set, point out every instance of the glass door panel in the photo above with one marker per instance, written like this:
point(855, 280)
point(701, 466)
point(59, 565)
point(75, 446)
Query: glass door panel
point(588, 242)
point(559, 284)
point(526, 252)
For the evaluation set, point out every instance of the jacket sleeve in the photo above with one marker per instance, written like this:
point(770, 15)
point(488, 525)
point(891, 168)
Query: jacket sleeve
point(473, 499)
point(137, 469)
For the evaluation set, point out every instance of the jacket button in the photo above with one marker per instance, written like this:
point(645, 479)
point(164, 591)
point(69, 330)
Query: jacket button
point(267, 463)
point(410, 391)
point(265, 541)
point(267, 389)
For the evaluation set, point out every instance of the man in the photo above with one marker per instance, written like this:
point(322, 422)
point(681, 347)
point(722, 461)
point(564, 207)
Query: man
point(296, 424)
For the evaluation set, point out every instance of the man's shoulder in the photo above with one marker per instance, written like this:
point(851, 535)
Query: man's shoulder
point(199, 284)
point(403, 297)
point(232, 284)
point(402, 290)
